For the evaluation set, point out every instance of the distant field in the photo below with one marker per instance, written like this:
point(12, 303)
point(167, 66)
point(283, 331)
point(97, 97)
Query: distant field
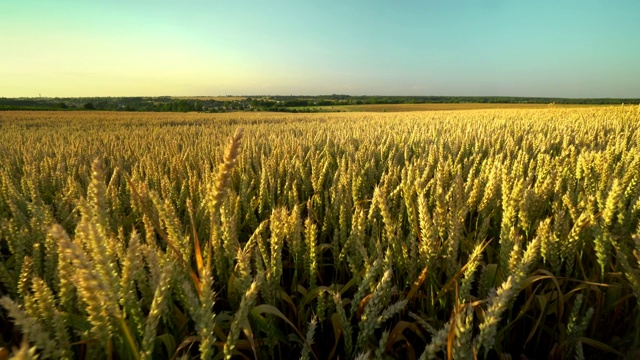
point(402, 107)
point(436, 107)
point(506, 233)
point(216, 98)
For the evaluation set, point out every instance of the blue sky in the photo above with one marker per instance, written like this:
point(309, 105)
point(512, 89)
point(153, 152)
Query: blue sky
point(570, 48)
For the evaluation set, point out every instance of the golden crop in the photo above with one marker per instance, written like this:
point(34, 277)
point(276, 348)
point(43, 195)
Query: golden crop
point(454, 234)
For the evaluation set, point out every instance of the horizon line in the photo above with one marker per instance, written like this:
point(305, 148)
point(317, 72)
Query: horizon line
point(317, 95)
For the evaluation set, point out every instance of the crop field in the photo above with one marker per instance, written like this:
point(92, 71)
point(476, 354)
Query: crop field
point(496, 233)
point(439, 107)
point(216, 98)
point(447, 106)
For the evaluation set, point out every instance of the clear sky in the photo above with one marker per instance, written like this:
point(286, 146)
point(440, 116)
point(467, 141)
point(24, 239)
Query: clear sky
point(560, 48)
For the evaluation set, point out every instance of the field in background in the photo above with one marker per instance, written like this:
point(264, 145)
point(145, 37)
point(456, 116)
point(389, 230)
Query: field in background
point(439, 107)
point(489, 233)
point(216, 98)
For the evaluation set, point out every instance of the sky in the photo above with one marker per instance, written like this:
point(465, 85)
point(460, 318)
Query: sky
point(554, 48)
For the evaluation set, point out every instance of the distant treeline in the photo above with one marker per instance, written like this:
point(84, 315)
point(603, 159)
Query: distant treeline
point(292, 103)
point(164, 104)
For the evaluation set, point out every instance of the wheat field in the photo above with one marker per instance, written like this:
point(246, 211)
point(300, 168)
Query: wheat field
point(509, 233)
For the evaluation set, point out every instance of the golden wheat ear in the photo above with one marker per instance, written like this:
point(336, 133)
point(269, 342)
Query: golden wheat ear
point(221, 183)
point(223, 175)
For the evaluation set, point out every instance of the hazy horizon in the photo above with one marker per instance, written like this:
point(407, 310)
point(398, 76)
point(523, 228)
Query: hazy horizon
point(304, 95)
point(70, 48)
